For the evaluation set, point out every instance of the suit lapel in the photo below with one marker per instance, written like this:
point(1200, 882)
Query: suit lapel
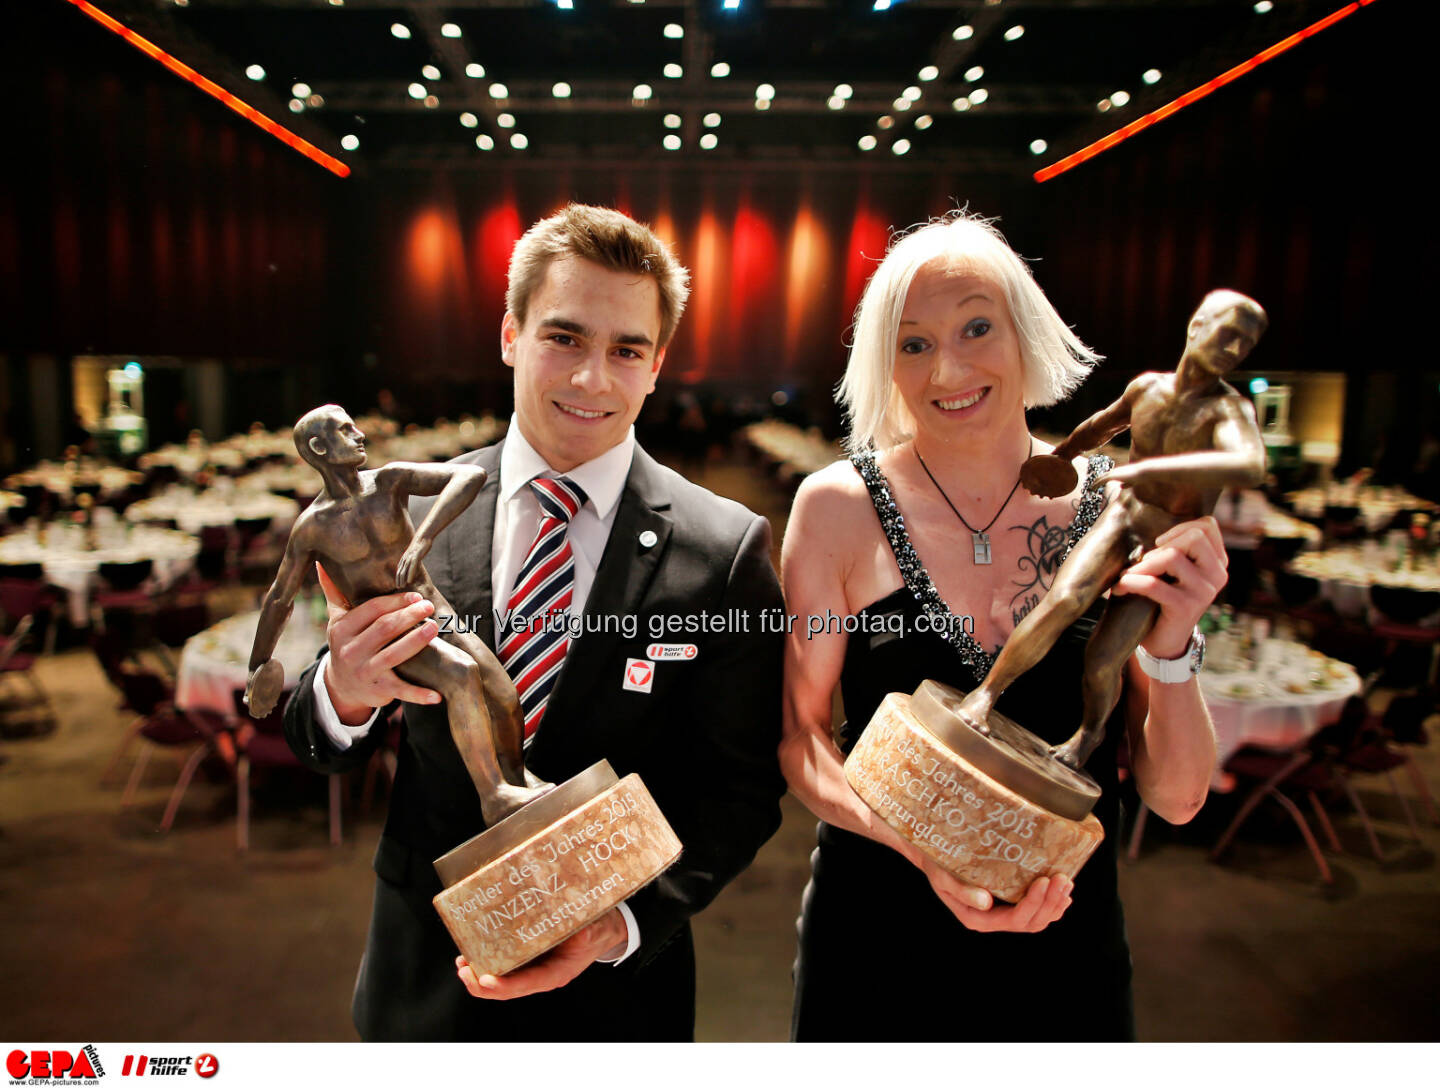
point(626, 570)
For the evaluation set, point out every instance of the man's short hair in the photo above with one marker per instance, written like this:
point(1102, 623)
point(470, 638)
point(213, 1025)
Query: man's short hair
point(1053, 359)
point(611, 240)
point(312, 425)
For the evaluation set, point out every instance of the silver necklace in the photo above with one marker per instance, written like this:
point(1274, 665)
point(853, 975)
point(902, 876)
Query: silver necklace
point(979, 538)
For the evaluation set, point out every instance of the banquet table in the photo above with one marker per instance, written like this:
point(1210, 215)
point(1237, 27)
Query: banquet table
point(1377, 505)
point(192, 511)
point(215, 663)
point(1346, 574)
point(73, 566)
point(1289, 694)
point(61, 478)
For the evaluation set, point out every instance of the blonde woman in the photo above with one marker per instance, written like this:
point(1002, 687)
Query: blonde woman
point(924, 541)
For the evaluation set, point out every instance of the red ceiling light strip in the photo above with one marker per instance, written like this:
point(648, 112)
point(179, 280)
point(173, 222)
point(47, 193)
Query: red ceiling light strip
point(1105, 143)
point(210, 87)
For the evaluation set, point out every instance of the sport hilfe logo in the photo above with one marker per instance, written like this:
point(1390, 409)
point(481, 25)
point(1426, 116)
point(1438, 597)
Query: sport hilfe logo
point(61, 1065)
point(141, 1065)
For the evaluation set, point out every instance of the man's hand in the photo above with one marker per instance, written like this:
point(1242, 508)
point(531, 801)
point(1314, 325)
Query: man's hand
point(264, 688)
point(367, 642)
point(1182, 574)
point(1045, 900)
point(409, 567)
point(606, 936)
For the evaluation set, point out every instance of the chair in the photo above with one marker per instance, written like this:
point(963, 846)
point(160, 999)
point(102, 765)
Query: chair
point(32, 597)
point(1399, 612)
point(167, 726)
point(1308, 771)
point(1403, 723)
point(260, 742)
point(15, 663)
point(215, 562)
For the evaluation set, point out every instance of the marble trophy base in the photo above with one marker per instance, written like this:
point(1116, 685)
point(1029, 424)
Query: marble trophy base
point(996, 811)
point(543, 873)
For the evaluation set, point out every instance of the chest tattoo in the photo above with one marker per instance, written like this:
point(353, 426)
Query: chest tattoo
point(1045, 547)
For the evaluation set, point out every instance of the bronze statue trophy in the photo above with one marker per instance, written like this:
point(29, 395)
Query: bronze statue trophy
point(987, 799)
point(552, 859)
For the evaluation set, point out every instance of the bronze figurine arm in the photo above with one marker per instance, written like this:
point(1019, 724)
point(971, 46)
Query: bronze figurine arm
point(1101, 427)
point(267, 676)
point(1237, 461)
point(457, 485)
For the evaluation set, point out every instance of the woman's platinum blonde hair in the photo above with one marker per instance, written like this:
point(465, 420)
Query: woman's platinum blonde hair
point(1053, 358)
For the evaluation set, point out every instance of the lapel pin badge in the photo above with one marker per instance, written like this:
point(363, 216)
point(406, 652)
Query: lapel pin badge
point(639, 675)
point(648, 538)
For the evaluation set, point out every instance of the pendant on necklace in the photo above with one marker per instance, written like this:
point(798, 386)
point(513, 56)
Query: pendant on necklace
point(982, 548)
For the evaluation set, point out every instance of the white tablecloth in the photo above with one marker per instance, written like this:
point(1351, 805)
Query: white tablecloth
point(74, 568)
point(215, 663)
point(192, 511)
point(1291, 694)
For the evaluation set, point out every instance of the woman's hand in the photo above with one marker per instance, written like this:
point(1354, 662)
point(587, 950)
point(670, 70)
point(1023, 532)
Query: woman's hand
point(1044, 901)
point(1182, 574)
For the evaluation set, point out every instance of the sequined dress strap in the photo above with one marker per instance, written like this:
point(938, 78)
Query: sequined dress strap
point(917, 580)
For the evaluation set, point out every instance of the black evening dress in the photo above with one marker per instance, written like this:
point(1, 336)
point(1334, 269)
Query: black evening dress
point(880, 957)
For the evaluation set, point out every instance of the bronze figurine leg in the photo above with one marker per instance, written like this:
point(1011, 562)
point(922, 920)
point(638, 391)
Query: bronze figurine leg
point(1094, 564)
point(507, 724)
point(456, 675)
point(1126, 622)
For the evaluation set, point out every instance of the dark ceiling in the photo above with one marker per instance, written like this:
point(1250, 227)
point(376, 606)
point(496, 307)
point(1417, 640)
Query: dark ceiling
point(1043, 84)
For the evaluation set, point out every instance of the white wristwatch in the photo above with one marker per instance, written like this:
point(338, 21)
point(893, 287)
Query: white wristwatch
point(1176, 670)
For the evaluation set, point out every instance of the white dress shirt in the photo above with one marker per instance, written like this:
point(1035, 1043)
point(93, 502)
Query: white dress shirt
point(517, 520)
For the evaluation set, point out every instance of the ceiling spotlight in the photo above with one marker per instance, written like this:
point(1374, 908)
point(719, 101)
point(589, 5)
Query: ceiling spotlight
point(973, 74)
point(960, 105)
point(843, 90)
point(431, 101)
point(430, 72)
point(469, 120)
point(565, 5)
point(882, 5)
point(418, 91)
point(673, 71)
point(762, 103)
point(764, 91)
point(301, 90)
point(314, 101)
point(672, 120)
point(1014, 32)
point(1263, 7)
point(561, 90)
point(499, 91)
point(674, 30)
point(255, 72)
point(506, 120)
point(711, 120)
point(732, 5)
point(475, 71)
point(518, 141)
point(899, 147)
point(913, 93)
point(1038, 147)
point(924, 121)
point(1103, 105)
point(485, 142)
point(1120, 98)
point(867, 142)
point(928, 73)
point(708, 141)
point(297, 106)
point(641, 93)
point(978, 96)
point(835, 102)
point(720, 70)
point(1151, 76)
point(960, 33)
point(885, 121)
point(349, 141)
point(901, 104)
point(671, 142)
point(337, 3)
point(450, 30)
point(400, 30)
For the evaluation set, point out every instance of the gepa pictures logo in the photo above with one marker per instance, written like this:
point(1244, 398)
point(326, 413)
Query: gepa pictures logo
point(142, 1065)
point(53, 1065)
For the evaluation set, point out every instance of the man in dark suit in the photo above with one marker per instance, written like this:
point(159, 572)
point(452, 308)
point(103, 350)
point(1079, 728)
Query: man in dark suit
point(593, 300)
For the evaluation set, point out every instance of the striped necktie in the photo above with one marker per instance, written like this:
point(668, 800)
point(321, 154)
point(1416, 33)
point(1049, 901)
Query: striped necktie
point(536, 634)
